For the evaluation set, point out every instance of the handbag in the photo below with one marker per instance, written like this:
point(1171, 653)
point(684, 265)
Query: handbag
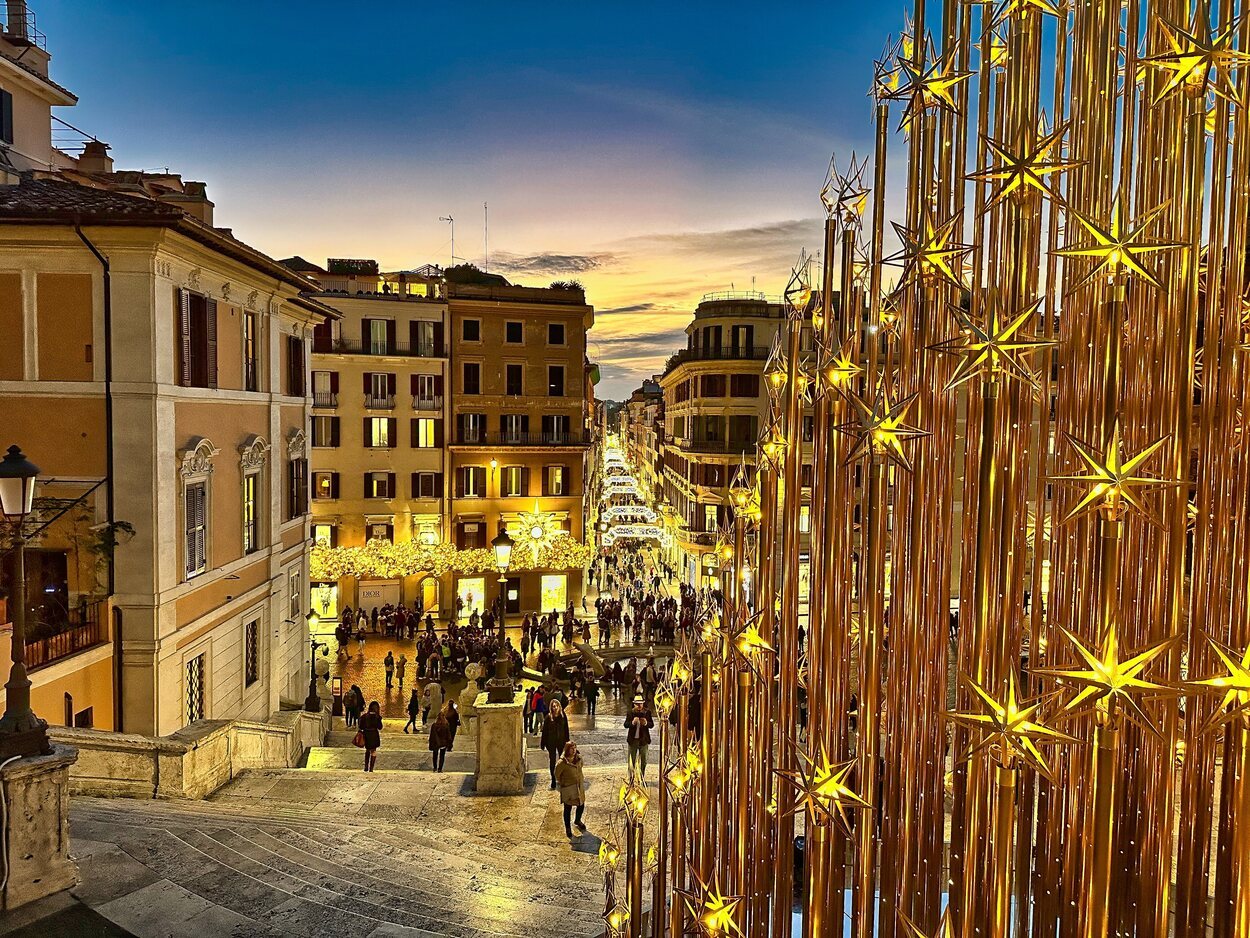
point(359, 739)
point(571, 792)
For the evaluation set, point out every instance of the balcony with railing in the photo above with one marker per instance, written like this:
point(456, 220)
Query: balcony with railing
point(379, 401)
point(718, 353)
point(325, 399)
point(468, 436)
point(434, 403)
point(734, 446)
point(344, 346)
point(84, 629)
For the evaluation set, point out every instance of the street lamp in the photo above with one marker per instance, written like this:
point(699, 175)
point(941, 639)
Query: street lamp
point(499, 688)
point(312, 703)
point(21, 732)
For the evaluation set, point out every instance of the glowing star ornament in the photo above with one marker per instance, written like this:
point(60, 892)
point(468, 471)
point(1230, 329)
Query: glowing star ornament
point(712, 914)
point(1008, 729)
point(1198, 59)
point(616, 919)
point(1234, 685)
point(881, 429)
point(1018, 173)
point(1112, 483)
point(634, 798)
point(1117, 245)
point(1108, 679)
point(844, 195)
point(680, 782)
point(931, 254)
point(749, 643)
point(1021, 9)
point(994, 347)
point(798, 293)
point(926, 87)
point(822, 790)
point(840, 368)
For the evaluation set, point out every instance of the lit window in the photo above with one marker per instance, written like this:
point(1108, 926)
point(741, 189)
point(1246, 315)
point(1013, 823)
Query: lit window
point(323, 535)
point(250, 535)
point(805, 518)
point(423, 433)
point(379, 431)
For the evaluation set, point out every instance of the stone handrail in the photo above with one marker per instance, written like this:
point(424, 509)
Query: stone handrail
point(191, 763)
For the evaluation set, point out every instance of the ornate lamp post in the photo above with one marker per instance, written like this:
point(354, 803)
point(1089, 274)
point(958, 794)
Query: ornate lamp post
point(499, 688)
point(312, 703)
point(21, 732)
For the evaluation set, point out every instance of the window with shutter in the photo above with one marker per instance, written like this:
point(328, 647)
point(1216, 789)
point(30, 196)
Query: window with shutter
point(183, 300)
point(195, 527)
point(210, 343)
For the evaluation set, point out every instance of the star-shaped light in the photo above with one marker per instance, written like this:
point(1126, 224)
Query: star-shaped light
point(1198, 58)
point(712, 913)
point(1008, 728)
point(1109, 679)
point(931, 253)
point(926, 87)
point(995, 346)
point(798, 293)
point(887, 70)
point(1022, 8)
point(1112, 481)
point(844, 194)
point(749, 643)
point(881, 429)
point(680, 781)
point(1235, 685)
point(822, 790)
point(616, 918)
point(1117, 244)
point(946, 927)
point(776, 368)
point(1018, 172)
point(840, 368)
point(534, 531)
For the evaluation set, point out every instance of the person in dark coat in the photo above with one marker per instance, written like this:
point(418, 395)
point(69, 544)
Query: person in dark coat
point(572, 783)
point(638, 722)
point(440, 740)
point(414, 710)
point(371, 728)
point(555, 735)
point(452, 712)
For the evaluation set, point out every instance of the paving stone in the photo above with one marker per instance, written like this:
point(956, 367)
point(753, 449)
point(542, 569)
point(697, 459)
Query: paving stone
point(109, 873)
point(158, 910)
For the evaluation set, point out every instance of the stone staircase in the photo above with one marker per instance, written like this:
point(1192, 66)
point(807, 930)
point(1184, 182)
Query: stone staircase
point(293, 852)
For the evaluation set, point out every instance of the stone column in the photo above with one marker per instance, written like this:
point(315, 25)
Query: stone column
point(500, 746)
point(36, 827)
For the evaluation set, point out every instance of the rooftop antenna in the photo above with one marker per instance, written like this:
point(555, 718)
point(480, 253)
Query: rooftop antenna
point(485, 236)
point(451, 221)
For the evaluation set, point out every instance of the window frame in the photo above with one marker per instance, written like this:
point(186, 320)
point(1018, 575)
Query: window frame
point(251, 653)
point(477, 329)
point(564, 334)
point(551, 371)
point(507, 331)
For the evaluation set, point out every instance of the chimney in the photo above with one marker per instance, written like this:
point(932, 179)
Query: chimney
point(15, 20)
point(193, 199)
point(95, 158)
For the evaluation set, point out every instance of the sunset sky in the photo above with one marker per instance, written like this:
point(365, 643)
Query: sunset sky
point(656, 152)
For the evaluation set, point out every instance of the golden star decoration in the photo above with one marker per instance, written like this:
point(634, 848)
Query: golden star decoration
point(616, 918)
point(750, 645)
point(1235, 685)
point(798, 293)
point(822, 790)
point(1109, 679)
point(844, 194)
point(946, 926)
point(1007, 727)
point(533, 530)
point(925, 87)
point(1117, 244)
point(712, 913)
point(1019, 172)
point(1112, 482)
point(930, 252)
point(881, 429)
point(840, 368)
point(1198, 58)
point(1022, 8)
point(993, 347)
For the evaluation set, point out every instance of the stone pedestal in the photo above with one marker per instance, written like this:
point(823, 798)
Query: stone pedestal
point(500, 746)
point(36, 827)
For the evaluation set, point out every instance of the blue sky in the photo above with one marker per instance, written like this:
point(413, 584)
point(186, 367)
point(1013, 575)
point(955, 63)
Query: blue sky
point(654, 151)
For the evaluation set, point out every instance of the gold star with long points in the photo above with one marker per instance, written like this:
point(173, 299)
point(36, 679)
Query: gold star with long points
point(946, 927)
point(1021, 8)
point(712, 913)
point(1198, 58)
point(844, 194)
point(749, 643)
point(798, 293)
point(1020, 172)
point(1235, 685)
point(929, 86)
point(1108, 678)
point(1117, 244)
point(1112, 483)
point(1007, 727)
point(821, 788)
point(842, 367)
point(881, 429)
point(930, 252)
point(994, 347)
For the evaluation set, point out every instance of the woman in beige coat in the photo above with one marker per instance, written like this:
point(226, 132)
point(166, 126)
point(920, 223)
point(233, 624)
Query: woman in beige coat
point(572, 782)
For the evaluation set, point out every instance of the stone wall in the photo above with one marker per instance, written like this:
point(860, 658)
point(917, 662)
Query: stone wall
point(191, 763)
point(36, 828)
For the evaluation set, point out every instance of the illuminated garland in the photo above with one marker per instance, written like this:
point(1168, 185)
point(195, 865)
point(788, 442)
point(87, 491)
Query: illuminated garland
point(381, 560)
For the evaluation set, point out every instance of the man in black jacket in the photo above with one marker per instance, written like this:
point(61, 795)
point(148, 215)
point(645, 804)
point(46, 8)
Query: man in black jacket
point(638, 723)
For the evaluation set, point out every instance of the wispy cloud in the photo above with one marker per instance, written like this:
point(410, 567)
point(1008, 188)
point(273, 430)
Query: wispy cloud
point(547, 263)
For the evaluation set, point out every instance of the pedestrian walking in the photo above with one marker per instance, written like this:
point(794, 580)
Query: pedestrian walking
point(414, 707)
point(452, 712)
point(555, 736)
point(400, 667)
point(527, 711)
point(591, 692)
point(389, 664)
point(572, 782)
point(353, 703)
point(440, 741)
point(638, 722)
point(370, 735)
